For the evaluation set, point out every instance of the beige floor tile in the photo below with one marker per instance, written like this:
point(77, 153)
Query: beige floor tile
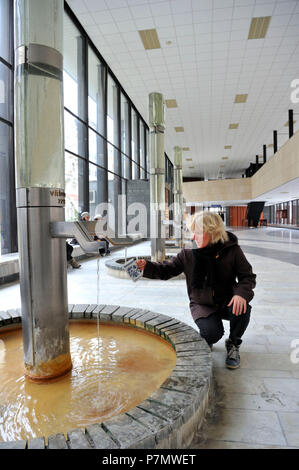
point(290, 425)
point(251, 427)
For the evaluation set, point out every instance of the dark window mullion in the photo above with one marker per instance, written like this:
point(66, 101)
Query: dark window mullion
point(85, 87)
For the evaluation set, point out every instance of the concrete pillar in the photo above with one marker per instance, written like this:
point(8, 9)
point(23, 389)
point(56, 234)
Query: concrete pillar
point(178, 196)
point(39, 152)
point(157, 175)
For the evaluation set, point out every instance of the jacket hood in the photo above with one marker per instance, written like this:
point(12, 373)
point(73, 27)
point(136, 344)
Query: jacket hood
point(233, 239)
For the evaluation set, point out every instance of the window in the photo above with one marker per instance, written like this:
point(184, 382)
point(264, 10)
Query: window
point(74, 186)
point(96, 93)
point(73, 64)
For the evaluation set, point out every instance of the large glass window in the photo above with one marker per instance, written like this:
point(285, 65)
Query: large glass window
point(74, 186)
point(97, 188)
point(134, 142)
point(5, 188)
point(6, 30)
point(73, 64)
point(96, 93)
point(74, 134)
point(5, 92)
point(142, 149)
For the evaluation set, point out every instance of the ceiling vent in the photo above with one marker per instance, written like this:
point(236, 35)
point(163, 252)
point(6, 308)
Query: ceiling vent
point(179, 129)
point(149, 38)
point(241, 98)
point(171, 103)
point(259, 27)
point(233, 126)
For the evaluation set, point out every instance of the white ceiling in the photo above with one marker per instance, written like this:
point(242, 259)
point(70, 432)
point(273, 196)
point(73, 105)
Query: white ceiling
point(208, 62)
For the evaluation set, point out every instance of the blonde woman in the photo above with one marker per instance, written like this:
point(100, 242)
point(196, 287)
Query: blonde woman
point(219, 279)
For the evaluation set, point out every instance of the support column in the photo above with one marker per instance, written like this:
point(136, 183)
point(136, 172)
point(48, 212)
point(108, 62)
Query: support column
point(157, 175)
point(275, 141)
point(39, 151)
point(178, 196)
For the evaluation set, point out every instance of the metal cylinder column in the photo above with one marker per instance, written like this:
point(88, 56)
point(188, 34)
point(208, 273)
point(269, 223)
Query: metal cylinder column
point(178, 196)
point(157, 175)
point(39, 152)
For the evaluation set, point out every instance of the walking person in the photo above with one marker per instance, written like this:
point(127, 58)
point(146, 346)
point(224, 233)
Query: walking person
point(219, 279)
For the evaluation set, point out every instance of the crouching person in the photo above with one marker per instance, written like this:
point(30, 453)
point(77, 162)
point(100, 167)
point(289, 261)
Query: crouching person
point(219, 279)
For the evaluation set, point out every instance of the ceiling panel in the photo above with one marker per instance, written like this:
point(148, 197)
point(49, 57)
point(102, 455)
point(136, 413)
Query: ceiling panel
point(205, 60)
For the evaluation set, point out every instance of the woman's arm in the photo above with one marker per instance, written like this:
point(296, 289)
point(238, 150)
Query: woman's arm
point(164, 270)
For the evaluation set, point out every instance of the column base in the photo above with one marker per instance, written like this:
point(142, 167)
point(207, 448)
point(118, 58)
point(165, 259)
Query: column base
point(50, 370)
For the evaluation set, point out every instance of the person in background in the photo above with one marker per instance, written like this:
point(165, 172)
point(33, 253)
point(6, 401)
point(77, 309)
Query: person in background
point(103, 251)
point(70, 260)
point(219, 279)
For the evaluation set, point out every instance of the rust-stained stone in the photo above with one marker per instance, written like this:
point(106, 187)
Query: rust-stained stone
point(118, 315)
point(127, 432)
point(78, 440)
point(15, 314)
point(141, 321)
point(57, 441)
point(13, 445)
point(79, 310)
point(100, 438)
point(135, 311)
point(89, 310)
point(5, 318)
point(36, 443)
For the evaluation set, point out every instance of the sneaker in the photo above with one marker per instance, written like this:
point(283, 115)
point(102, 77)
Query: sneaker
point(74, 264)
point(233, 357)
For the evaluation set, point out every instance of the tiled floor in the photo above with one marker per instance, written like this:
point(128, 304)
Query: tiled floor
point(258, 404)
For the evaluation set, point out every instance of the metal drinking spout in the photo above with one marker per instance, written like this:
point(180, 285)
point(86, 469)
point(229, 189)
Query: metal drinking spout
point(79, 231)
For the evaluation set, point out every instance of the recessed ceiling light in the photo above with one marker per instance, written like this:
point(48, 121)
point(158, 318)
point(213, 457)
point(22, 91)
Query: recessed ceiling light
point(168, 43)
point(191, 166)
point(227, 146)
point(259, 27)
point(188, 159)
point(171, 103)
point(179, 129)
point(233, 126)
point(186, 149)
point(149, 38)
point(241, 98)
point(270, 145)
point(224, 158)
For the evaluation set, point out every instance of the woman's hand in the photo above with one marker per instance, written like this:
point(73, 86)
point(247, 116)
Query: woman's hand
point(141, 264)
point(239, 305)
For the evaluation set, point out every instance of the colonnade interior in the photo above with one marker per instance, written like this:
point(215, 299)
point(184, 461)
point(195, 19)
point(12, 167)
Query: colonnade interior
point(144, 113)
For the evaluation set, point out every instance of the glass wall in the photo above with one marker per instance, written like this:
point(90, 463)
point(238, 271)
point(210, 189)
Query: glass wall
point(102, 151)
point(285, 213)
point(8, 228)
point(102, 132)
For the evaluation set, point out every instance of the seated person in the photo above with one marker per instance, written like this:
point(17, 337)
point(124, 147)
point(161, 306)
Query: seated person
point(85, 216)
point(103, 251)
point(70, 260)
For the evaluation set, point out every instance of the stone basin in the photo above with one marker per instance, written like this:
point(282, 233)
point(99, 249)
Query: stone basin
point(169, 417)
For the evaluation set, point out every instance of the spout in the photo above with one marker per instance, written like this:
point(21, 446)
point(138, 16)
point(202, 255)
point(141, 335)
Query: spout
point(79, 231)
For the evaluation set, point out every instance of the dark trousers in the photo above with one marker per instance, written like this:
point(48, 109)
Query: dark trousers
point(211, 327)
point(69, 250)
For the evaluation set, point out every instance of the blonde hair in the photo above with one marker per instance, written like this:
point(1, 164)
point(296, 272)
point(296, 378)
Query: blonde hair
point(211, 223)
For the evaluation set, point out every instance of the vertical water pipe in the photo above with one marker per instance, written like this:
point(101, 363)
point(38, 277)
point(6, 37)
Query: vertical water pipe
point(39, 153)
point(157, 176)
point(178, 196)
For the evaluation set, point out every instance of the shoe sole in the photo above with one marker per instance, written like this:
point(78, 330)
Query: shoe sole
point(232, 367)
